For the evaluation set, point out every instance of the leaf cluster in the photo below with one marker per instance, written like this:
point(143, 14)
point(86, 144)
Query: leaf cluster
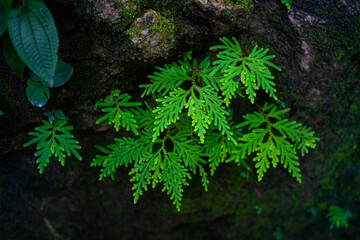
point(252, 71)
point(191, 124)
point(274, 139)
point(169, 159)
point(54, 139)
point(32, 41)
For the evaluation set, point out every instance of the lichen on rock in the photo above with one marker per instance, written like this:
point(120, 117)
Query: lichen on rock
point(153, 34)
point(116, 14)
point(221, 14)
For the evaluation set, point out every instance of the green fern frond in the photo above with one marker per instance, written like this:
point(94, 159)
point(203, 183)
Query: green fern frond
point(273, 138)
point(175, 175)
point(338, 217)
point(215, 110)
point(252, 70)
point(169, 110)
point(288, 157)
point(124, 152)
point(116, 106)
point(169, 77)
point(154, 162)
point(218, 148)
point(53, 140)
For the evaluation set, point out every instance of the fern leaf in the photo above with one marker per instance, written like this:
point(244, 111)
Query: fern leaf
point(338, 217)
point(175, 175)
point(265, 152)
point(216, 111)
point(169, 110)
point(250, 142)
point(142, 175)
point(53, 140)
point(288, 157)
point(115, 106)
point(253, 70)
point(167, 78)
point(124, 152)
point(198, 114)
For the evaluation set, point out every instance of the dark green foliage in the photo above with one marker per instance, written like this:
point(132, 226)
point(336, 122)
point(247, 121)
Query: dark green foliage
point(193, 98)
point(338, 217)
point(11, 56)
point(33, 33)
point(34, 43)
point(37, 94)
point(54, 139)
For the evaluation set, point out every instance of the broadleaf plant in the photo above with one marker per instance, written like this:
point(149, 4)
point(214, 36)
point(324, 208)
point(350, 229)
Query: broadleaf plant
point(191, 124)
point(54, 139)
point(34, 43)
point(33, 33)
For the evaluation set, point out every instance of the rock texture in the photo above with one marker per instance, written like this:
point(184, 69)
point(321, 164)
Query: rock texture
point(116, 44)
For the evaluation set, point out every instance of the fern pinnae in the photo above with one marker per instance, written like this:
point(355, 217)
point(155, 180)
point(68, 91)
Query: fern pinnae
point(116, 106)
point(216, 111)
point(169, 110)
point(53, 140)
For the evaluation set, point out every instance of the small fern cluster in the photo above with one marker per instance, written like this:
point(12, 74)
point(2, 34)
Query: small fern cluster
point(338, 217)
point(53, 138)
point(192, 127)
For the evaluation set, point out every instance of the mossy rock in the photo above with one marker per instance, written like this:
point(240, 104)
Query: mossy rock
point(153, 34)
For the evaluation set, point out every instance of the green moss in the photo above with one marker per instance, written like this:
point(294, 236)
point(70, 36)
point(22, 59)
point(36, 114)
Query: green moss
point(154, 34)
point(339, 39)
point(247, 5)
point(318, 37)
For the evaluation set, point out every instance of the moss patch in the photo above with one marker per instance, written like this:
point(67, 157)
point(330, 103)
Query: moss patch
point(154, 34)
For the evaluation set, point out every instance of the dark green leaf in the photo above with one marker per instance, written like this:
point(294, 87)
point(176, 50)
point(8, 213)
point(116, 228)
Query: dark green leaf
point(1, 113)
point(59, 114)
point(37, 94)
point(33, 33)
point(11, 57)
point(6, 4)
point(62, 75)
point(3, 20)
point(51, 118)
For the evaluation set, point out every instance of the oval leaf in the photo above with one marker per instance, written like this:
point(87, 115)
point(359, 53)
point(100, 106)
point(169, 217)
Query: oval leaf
point(3, 20)
point(11, 56)
point(62, 74)
point(59, 114)
point(37, 94)
point(33, 33)
point(1, 113)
